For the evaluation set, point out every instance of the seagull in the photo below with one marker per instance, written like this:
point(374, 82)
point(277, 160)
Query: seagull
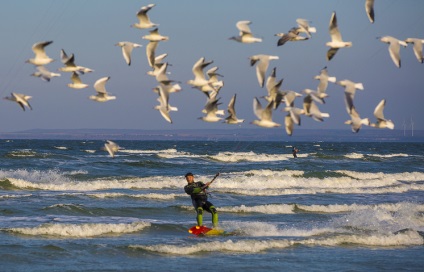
point(76, 82)
point(262, 66)
point(289, 97)
point(21, 99)
point(211, 110)
point(166, 83)
point(164, 108)
point(336, 38)
point(102, 95)
point(213, 78)
point(111, 148)
point(369, 8)
point(294, 112)
point(70, 64)
point(44, 74)
point(323, 80)
point(150, 53)
point(394, 48)
point(272, 86)
point(289, 125)
point(154, 36)
point(317, 97)
point(305, 27)
point(245, 35)
point(355, 121)
point(418, 47)
point(263, 114)
point(157, 65)
point(144, 21)
point(292, 35)
point(232, 118)
point(127, 48)
point(381, 121)
point(312, 110)
point(214, 85)
point(350, 86)
point(199, 77)
point(41, 57)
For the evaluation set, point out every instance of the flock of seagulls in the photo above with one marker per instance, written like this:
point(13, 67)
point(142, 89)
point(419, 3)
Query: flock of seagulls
point(210, 84)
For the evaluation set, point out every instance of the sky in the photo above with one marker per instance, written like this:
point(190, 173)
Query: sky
point(90, 29)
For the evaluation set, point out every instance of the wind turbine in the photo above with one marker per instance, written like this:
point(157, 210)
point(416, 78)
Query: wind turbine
point(412, 127)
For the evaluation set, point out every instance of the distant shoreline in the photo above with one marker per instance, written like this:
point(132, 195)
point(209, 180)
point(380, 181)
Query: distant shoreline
point(300, 135)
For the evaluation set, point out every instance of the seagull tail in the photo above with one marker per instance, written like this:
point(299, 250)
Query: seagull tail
point(359, 86)
point(332, 79)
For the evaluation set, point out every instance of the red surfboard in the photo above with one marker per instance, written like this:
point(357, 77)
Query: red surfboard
point(202, 230)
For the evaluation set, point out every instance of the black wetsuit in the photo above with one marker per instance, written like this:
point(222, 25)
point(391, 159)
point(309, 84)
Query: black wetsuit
point(199, 199)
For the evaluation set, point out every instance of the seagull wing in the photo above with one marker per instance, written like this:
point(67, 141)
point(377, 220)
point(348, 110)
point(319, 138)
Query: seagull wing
point(99, 85)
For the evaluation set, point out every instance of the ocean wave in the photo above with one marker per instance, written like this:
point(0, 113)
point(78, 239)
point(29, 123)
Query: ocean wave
point(253, 182)
point(81, 230)
point(354, 156)
point(14, 196)
point(21, 153)
point(325, 209)
point(389, 155)
point(249, 157)
point(145, 196)
point(407, 238)
point(149, 151)
point(61, 147)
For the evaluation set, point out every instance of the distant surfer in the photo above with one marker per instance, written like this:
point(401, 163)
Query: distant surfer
point(199, 198)
point(294, 151)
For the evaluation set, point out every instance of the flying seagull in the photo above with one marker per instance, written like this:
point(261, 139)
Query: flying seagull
point(336, 38)
point(245, 34)
point(262, 62)
point(21, 99)
point(41, 57)
point(381, 121)
point(232, 118)
point(394, 48)
point(418, 48)
point(102, 95)
point(127, 48)
point(143, 19)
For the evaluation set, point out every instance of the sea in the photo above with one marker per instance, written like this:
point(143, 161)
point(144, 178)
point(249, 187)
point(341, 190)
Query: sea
point(67, 205)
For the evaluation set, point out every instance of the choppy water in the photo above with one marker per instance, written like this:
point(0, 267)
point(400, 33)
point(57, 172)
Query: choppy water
point(66, 205)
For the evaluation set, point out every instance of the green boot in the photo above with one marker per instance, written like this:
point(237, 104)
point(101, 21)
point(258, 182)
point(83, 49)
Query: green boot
point(199, 217)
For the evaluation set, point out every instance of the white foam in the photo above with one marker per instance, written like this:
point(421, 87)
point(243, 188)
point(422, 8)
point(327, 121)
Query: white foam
point(389, 155)
point(61, 147)
point(249, 157)
point(407, 238)
point(354, 156)
point(333, 208)
point(90, 151)
point(22, 153)
point(253, 182)
point(14, 196)
point(81, 230)
point(267, 209)
point(145, 196)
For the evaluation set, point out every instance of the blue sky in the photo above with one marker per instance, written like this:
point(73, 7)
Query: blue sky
point(90, 28)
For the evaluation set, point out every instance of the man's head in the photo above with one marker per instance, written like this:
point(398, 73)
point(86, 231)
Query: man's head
point(189, 177)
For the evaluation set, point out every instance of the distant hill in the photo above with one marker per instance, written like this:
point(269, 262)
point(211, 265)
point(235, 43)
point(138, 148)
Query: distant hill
point(239, 134)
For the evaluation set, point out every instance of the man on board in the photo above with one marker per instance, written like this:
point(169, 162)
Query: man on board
point(199, 198)
point(294, 151)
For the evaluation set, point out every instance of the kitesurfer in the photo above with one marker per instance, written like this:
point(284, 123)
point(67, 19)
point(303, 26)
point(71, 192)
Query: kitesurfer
point(199, 198)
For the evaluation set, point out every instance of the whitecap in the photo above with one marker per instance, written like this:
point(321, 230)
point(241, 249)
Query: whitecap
point(82, 230)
